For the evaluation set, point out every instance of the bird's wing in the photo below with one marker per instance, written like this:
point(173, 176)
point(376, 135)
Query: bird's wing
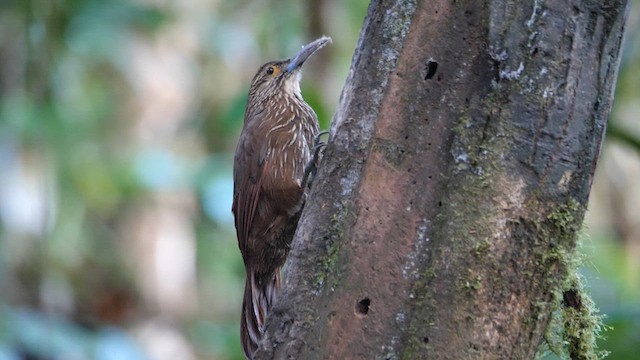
point(249, 174)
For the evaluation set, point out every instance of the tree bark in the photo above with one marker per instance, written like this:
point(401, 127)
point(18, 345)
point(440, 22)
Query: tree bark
point(442, 223)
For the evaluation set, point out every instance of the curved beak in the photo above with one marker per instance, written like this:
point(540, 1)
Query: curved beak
point(308, 50)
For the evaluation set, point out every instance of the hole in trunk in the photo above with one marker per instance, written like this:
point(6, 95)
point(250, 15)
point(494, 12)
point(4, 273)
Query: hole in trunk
point(362, 306)
point(431, 68)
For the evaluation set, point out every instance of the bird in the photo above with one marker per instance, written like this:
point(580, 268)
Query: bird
point(272, 158)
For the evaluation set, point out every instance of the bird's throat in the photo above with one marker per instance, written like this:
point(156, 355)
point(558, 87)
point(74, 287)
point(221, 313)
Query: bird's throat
point(291, 85)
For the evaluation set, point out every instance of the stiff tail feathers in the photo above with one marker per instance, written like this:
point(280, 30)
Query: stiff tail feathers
point(257, 302)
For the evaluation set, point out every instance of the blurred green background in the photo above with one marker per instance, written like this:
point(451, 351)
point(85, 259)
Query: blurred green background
point(118, 121)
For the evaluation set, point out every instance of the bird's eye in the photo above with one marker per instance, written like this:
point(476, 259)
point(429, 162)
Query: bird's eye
point(270, 70)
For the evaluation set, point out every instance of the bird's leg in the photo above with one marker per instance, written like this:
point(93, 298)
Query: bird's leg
point(312, 166)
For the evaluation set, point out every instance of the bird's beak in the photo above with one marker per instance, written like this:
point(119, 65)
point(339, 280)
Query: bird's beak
point(308, 50)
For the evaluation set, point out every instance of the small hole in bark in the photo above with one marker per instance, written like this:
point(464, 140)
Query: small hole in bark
point(425, 339)
point(439, 78)
point(431, 68)
point(362, 306)
point(439, 203)
point(496, 70)
point(535, 51)
point(428, 144)
point(406, 137)
point(429, 177)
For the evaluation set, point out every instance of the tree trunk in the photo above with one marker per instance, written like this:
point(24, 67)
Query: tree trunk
point(443, 219)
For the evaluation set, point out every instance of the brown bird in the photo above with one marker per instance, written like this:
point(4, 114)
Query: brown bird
point(275, 146)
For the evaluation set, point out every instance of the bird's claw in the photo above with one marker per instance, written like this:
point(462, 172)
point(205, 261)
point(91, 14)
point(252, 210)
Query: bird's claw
point(312, 166)
point(318, 138)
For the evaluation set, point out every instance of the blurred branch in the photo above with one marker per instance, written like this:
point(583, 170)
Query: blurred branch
point(616, 133)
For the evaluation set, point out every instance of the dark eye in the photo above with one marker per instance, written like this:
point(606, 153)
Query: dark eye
point(270, 70)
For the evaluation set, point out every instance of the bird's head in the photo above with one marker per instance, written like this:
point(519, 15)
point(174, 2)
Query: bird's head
point(283, 77)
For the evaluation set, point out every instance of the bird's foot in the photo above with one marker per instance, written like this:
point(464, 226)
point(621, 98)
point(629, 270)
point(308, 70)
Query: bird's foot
point(312, 166)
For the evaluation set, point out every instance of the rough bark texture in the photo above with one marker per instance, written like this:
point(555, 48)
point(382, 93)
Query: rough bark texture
point(443, 219)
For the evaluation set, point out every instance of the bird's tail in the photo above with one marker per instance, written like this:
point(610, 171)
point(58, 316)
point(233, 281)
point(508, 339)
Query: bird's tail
point(257, 302)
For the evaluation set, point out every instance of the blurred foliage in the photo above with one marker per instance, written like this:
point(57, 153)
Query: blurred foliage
point(118, 122)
